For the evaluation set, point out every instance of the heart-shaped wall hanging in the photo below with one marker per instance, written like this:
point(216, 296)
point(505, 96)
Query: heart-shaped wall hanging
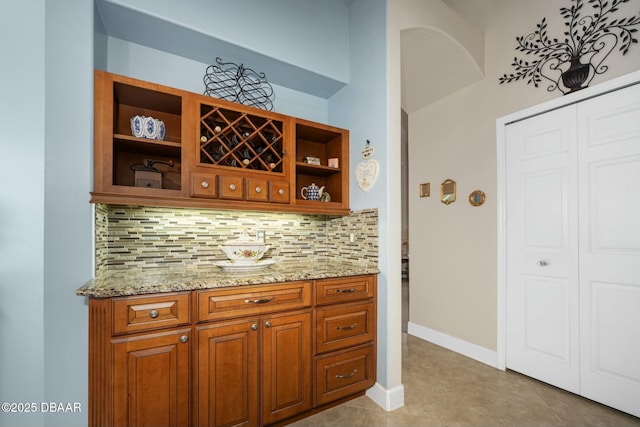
point(367, 174)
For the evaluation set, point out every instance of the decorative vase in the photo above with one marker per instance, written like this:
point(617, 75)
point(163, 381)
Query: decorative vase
point(575, 76)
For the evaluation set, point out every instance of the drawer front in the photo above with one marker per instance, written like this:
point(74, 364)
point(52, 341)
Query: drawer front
point(250, 300)
point(279, 191)
point(331, 291)
point(257, 190)
point(131, 314)
point(344, 326)
point(231, 187)
point(343, 374)
point(204, 185)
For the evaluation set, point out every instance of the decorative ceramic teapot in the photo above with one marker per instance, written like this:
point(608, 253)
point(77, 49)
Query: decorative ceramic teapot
point(312, 192)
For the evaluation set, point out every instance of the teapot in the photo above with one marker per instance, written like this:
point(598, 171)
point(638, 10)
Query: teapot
point(312, 192)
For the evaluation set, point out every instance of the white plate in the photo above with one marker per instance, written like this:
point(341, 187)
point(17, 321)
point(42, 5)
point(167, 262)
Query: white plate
point(244, 266)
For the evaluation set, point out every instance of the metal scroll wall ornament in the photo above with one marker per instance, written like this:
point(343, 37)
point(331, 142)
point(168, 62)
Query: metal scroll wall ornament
point(570, 65)
point(236, 83)
point(367, 171)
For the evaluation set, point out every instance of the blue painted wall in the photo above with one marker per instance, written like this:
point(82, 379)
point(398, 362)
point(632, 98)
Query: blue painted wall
point(45, 215)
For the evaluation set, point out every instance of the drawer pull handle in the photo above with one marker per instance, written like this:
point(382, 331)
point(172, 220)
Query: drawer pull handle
point(184, 338)
point(232, 187)
point(258, 189)
point(254, 327)
point(153, 313)
point(346, 328)
point(205, 184)
point(267, 324)
point(259, 301)
point(346, 291)
point(355, 371)
point(281, 191)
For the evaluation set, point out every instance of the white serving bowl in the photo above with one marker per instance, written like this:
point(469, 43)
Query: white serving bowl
point(244, 249)
point(248, 253)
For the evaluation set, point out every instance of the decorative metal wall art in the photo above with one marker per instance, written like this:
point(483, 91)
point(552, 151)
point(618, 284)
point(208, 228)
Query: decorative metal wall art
point(570, 65)
point(236, 83)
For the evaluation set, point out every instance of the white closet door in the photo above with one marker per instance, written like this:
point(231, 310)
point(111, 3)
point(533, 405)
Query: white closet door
point(609, 175)
point(542, 248)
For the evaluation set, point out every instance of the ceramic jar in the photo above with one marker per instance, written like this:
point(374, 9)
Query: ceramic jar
point(147, 127)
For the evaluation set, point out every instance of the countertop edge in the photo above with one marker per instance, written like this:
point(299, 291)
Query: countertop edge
point(120, 283)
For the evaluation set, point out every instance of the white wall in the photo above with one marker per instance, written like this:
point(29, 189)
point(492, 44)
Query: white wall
point(453, 248)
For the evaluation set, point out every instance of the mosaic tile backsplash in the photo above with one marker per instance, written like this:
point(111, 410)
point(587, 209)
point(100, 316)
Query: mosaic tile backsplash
point(134, 236)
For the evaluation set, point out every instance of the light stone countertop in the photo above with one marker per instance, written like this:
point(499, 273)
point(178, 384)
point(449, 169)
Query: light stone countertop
point(170, 279)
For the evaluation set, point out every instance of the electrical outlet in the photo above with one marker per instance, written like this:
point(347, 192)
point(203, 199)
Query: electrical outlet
point(261, 235)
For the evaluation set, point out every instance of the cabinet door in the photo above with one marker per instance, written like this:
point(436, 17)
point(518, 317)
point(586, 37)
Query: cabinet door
point(542, 248)
point(609, 177)
point(286, 375)
point(227, 374)
point(151, 379)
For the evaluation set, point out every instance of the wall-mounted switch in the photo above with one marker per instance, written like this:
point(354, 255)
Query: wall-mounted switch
point(261, 235)
point(352, 238)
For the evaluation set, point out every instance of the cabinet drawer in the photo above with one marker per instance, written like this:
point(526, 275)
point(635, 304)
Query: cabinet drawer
point(249, 300)
point(231, 187)
point(257, 190)
point(279, 191)
point(139, 313)
point(343, 326)
point(342, 374)
point(204, 185)
point(331, 291)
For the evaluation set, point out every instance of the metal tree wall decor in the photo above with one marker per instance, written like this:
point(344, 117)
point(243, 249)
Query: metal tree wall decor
point(570, 65)
point(237, 83)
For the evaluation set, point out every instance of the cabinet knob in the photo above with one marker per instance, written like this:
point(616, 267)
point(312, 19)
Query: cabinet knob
point(232, 187)
point(184, 338)
point(281, 191)
point(267, 324)
point(258, 189)
point(153, 313)
point(205, 184)
point(254, 327)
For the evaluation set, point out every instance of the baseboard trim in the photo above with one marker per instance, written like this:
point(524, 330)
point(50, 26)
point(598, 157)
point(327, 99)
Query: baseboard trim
point(388, 400)
point(473, 351)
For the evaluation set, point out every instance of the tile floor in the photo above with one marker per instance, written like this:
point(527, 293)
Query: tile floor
point(443, 388)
